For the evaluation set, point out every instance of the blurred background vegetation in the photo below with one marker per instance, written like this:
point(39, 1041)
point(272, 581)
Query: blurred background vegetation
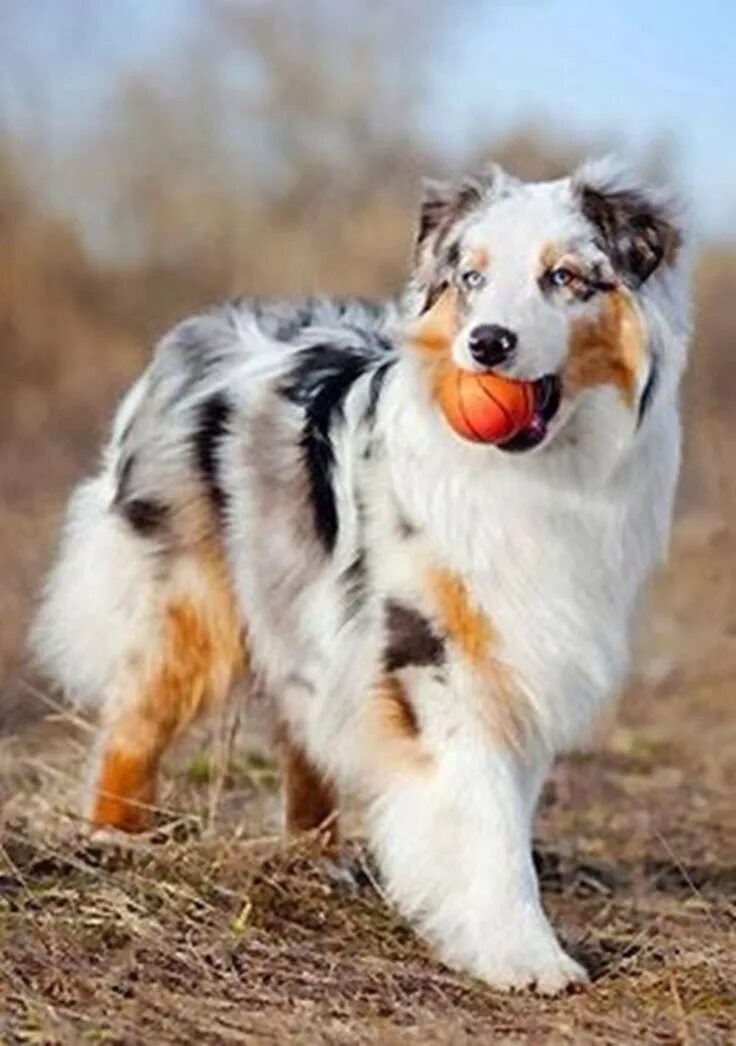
point(269, 148)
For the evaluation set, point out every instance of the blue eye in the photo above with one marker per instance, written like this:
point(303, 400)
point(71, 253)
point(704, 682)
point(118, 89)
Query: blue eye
point(561, 277)
point(473, 279)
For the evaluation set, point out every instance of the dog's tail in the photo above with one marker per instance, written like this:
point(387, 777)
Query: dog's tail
point(101, 593)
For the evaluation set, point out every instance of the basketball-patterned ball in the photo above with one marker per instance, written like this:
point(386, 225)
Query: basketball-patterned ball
point(485, 408)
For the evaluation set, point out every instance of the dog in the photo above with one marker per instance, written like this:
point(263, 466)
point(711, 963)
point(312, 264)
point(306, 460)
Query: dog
point(434, 619)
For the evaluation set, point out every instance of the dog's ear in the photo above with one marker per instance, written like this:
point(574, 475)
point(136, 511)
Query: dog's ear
point(445, 203)
point(639, 228)
point(445, 206)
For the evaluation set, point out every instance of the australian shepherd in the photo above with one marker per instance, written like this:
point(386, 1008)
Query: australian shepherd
point(434, 619)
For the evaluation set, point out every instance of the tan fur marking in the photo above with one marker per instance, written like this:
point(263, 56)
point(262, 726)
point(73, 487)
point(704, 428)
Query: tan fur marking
point(435, 329)
point(480, 259)
point(125, 792)
point(548, 258)
point(397, 734)
point(432, 335)
point(396, 713)
point(465, 624)
point(309, 799)
point(201, 651)
point(507, 713)
point(608, 350)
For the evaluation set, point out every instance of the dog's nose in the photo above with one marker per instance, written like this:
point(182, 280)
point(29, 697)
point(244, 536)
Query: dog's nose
point(491, 344)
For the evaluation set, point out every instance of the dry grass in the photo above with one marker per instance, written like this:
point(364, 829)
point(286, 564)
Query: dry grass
point(212, 930)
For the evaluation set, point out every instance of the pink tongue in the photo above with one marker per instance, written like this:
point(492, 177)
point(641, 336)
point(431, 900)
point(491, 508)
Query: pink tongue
point(537, 426)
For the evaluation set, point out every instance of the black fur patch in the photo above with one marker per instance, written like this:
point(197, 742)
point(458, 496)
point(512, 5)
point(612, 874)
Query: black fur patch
point(319, 383)
point(649, 390)
point(374, 392)
point(212, 425)
point(633, 234)
point(146, 516)
point(410, 639)
point(452, 255)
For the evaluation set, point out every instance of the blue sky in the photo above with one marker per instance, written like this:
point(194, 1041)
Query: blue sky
point(622, 73)
point(627, 72)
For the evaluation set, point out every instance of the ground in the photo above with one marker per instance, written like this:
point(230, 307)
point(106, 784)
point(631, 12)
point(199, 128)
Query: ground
point(213, 931)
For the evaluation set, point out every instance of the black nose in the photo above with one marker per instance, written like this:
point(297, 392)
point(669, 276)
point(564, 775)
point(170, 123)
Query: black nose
point(490, 344)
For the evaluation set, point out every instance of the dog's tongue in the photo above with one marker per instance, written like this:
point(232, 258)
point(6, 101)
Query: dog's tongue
point(547, 397)
point(529, 437)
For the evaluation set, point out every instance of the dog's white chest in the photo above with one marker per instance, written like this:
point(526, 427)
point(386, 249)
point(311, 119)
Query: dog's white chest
point(557, 577)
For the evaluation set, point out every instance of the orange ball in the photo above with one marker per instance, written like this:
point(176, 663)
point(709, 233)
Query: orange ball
point(485, 408)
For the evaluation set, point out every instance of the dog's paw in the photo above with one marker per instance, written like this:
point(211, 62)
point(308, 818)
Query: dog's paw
point(352, 871)
point(550, 973)
point(560, 975)
point(113, 838)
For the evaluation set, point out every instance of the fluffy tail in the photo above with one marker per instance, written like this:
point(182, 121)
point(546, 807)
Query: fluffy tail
point(99, 600)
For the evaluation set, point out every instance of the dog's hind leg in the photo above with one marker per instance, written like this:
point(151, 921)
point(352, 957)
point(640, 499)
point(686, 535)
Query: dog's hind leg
point(309, 799)
point(145, 629)
point(195, 653)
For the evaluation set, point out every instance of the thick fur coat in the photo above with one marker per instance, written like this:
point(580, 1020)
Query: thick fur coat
point(434, 619)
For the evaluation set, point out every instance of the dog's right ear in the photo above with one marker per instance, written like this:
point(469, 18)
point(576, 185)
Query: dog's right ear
point(440, 204)
point(445, 203)
point(445, 206)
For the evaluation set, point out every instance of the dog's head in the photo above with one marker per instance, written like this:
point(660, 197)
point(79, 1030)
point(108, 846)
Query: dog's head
point(567, 283)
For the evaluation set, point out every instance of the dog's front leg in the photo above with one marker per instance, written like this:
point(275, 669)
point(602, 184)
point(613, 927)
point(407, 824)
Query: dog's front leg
point(453, 837)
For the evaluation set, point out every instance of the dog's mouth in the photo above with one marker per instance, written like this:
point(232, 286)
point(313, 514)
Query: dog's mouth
point(547, 397)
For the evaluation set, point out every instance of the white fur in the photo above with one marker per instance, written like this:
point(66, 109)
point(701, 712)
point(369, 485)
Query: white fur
point(99, 600)
point(553, 547)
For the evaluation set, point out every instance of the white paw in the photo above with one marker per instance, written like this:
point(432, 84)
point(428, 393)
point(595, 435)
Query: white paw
point(558, 976)
point(549, 973)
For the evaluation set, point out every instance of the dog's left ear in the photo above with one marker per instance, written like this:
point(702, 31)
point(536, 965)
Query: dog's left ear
point(639, 227)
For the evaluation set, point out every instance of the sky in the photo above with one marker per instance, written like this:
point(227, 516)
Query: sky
point(623, 73)
point(627, 71)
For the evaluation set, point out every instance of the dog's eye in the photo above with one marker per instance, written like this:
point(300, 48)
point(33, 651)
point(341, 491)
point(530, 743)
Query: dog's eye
point(473, 279)
point(561, 277)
